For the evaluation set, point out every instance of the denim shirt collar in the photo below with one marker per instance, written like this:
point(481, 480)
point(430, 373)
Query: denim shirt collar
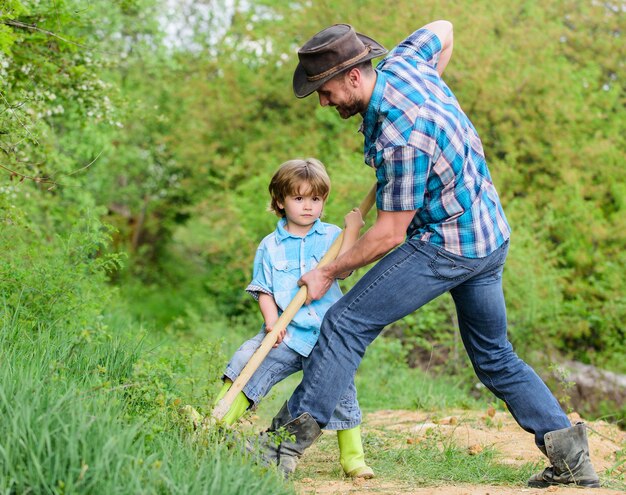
point(282, 233)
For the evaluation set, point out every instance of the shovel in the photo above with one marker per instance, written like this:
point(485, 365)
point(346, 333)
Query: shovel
point(222, 407)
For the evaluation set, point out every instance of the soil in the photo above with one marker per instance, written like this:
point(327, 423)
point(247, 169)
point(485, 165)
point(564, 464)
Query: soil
point(472, 430)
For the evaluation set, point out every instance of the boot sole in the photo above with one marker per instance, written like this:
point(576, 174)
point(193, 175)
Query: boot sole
point(548, 484)
point(362, 473)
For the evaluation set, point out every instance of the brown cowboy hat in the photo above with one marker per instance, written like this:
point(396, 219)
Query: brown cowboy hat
point(330, 52)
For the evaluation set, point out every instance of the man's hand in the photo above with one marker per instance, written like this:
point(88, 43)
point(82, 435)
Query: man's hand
point(317, 283)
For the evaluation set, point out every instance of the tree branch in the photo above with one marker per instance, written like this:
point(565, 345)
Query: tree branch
point(86, 166)
point(47, 180)
point(39, 180)
point(23, 25)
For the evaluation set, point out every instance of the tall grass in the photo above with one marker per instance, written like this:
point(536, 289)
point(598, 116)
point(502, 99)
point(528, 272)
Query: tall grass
point(66, 427)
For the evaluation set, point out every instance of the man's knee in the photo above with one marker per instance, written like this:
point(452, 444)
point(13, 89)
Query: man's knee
point(333, 314)
point(498, 364)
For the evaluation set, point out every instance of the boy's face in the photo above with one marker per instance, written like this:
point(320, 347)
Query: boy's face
point(302, 209)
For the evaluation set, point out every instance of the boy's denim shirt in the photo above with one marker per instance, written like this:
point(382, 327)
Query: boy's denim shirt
point(281, 259)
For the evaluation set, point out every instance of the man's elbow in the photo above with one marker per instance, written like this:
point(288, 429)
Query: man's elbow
point(442, 28)
point(393, 241)
point(445, 27)
point(449, 42)
point(445, 32)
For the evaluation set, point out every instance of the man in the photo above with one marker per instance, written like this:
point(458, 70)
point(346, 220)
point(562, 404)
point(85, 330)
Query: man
point(438, 206)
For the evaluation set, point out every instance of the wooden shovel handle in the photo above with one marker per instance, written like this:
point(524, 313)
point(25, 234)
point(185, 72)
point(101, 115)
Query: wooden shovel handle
point(222, 407)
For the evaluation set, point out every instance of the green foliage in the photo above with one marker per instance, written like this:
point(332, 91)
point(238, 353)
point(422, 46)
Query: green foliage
point(208, 124)
point(53, 274)
point(174, 371)
point(542, 124)
point(385, 381)
point(47, 77)
point(63, 430)
point(114, 141)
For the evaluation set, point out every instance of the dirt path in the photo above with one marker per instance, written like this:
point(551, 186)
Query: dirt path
point(470, 430)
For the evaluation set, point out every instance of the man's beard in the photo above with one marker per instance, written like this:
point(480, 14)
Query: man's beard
point(350, 108)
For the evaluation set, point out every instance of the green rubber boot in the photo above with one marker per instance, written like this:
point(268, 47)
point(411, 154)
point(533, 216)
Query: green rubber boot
point(237, 409)
point(351, 454)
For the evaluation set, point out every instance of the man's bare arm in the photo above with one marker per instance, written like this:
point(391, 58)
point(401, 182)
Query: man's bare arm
point(353, 224)
point(388, 231)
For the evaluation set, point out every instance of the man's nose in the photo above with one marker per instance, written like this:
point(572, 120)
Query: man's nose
point(324, 100)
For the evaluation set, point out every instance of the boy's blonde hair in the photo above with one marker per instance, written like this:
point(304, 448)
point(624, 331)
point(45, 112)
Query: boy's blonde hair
point(291, 175)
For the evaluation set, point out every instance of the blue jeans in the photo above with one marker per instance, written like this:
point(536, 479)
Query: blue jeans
point(403, 281)
point(280, 363)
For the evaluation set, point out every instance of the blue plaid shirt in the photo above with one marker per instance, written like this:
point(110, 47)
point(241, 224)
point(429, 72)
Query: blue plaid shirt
point(428, 156)
point(281, 259)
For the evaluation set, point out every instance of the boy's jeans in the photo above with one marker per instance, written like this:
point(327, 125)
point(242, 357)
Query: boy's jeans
point(280, 363)
point(403, 281)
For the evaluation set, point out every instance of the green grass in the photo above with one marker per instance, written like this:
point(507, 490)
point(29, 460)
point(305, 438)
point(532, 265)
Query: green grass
point(440, 461)
point(74, 421)
point(183, 362)
point(434, 462)
point(384, 381)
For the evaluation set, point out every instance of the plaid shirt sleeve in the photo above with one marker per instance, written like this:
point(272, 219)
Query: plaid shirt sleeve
point(422, 44)
point(402, 175)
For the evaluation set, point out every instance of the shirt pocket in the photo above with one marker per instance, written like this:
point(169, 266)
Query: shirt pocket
point(313, 261)
point(285, 274)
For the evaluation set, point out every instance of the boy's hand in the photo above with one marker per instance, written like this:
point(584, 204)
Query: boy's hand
point(354, 219)
point(280, 336)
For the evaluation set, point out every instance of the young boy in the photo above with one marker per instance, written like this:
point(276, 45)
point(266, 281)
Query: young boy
point(298, 190)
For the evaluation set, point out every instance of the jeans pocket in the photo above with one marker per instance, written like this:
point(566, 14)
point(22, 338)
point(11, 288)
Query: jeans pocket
point(447, 266)
point(498, 267)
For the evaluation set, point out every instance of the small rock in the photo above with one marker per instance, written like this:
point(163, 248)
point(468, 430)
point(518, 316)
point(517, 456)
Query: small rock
point(450, 420)
point(474, 449)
